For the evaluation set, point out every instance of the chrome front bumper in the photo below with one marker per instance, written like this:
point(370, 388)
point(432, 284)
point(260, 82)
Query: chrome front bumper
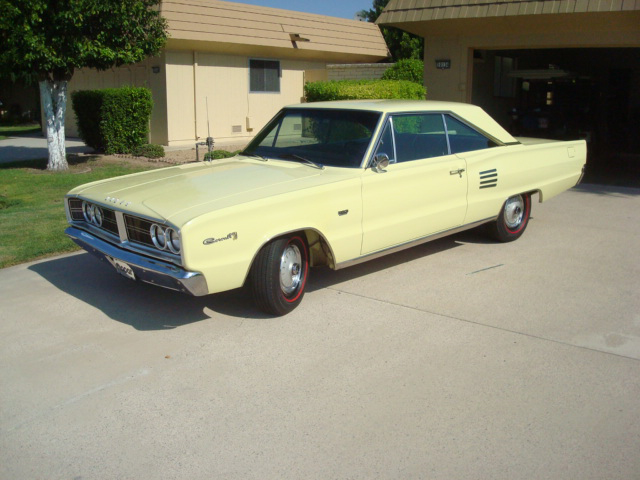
point(145, 269)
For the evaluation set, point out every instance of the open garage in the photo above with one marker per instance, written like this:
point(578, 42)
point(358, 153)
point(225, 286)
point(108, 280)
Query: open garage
point(553, 69)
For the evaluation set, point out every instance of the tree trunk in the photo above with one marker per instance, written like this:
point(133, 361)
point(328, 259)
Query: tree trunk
point(54, 102)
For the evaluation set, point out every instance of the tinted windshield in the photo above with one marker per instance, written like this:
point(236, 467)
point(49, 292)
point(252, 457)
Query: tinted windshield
point(336, 138)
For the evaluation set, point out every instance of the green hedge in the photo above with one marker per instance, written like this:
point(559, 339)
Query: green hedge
point(218, 154)
point(113, 120)
point(363, 89)
point(149, 151)
point(87, 105)
point(408, 69)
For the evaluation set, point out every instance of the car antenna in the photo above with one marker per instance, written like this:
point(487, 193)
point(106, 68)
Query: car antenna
point(209, 142)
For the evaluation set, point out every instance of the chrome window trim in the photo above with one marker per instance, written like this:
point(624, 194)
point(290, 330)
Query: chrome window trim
point(446, 132)
point(393, 140)
point(377, 138)
point(375, 132)
point(474, 128)
point(369, 162)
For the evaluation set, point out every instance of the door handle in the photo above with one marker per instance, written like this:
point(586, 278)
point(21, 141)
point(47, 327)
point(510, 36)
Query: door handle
point(459, 172)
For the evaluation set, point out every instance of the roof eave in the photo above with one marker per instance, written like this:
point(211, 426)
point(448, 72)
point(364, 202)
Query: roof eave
point(284, 51)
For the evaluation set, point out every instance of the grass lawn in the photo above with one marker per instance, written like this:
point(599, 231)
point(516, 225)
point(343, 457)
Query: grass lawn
point(32, 216)
point(7, 131)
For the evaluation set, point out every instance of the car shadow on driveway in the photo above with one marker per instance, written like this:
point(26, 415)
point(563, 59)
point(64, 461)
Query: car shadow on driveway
point(143, 306)
point(147, 307)
point(325, 277)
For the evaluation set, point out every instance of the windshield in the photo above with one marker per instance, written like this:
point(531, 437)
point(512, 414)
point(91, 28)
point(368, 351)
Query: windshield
point(335, 138)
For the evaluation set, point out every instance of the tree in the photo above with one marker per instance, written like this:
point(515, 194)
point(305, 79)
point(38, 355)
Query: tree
point(410, 69)
point(45, 41)
point(401, 44)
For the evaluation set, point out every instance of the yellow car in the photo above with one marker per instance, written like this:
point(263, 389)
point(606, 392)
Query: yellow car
point(330, 183)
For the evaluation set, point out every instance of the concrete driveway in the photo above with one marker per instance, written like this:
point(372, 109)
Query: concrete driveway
point(459, 359)
point(34, 146)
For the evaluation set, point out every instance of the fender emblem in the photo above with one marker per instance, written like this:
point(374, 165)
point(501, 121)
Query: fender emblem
point(231, 236)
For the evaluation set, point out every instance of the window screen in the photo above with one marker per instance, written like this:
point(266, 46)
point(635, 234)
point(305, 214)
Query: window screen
point(264, 76)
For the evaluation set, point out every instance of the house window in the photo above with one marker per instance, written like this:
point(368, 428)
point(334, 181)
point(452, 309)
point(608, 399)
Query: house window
point(264, 76)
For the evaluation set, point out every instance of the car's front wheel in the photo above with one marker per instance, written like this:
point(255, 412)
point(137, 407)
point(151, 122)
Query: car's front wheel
point(513, 218)
point(279, 274)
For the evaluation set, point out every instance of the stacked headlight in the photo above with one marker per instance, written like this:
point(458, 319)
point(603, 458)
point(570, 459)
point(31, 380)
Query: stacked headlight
point(92, 213)
point(165, 238)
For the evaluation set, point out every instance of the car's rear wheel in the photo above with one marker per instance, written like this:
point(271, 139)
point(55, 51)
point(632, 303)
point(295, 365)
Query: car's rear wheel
point(513, 218)
point(279, 274)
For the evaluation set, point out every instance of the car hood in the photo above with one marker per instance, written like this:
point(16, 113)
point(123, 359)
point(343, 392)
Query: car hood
point(180, 193)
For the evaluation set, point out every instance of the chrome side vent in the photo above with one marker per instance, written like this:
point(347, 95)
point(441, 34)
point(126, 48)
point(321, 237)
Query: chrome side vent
point(489, 178)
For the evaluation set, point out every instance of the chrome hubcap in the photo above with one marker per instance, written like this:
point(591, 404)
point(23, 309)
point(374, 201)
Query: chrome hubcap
point(514, 211)
point(290, 269)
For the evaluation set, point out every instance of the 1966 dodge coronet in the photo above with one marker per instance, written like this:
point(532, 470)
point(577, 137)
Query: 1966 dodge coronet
point(333, 183)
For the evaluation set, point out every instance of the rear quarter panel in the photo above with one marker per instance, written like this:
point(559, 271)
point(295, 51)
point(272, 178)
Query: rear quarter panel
point(548, 168)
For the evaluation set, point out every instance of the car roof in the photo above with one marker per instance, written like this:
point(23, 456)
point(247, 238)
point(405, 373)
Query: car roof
point(385, 105)
point(471, 114)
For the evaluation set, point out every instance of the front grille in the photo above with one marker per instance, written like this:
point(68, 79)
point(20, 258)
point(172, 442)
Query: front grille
point(75, 209)
point(137, 234)
point(138, 230)
point(109, 222)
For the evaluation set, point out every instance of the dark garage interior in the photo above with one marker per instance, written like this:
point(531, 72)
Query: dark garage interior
point(569, 93)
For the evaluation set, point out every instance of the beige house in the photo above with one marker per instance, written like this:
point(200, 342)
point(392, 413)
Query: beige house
point(229, 67)
point(568, 67)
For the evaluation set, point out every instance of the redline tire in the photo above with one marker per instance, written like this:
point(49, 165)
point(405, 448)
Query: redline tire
point(513, 218)
point(279, 275)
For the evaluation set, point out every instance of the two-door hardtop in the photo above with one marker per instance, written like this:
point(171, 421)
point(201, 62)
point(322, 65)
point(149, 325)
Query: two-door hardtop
point(329, 183)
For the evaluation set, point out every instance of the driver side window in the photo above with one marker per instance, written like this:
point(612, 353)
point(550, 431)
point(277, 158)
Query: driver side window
point(411, 136)
point(419, 136)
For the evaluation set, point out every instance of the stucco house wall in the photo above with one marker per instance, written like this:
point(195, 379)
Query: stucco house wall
point(452, 31)
point(200, 82)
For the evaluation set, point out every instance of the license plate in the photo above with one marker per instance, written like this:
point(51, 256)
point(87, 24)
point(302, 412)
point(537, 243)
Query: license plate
point(122, 268)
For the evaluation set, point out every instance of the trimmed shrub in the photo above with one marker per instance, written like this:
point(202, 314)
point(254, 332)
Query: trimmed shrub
point(125, 118)
point(217, 154)
point(113, 120)
point(363, 89)
point(87, 105)
point(149, 150)
point(408, 69)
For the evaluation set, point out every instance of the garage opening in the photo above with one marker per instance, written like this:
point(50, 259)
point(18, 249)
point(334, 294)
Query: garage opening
point(570, 93)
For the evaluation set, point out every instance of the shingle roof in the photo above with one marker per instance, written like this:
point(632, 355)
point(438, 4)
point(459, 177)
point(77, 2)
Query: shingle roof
point(227, 25)
point(429, 17)
point(400, 11)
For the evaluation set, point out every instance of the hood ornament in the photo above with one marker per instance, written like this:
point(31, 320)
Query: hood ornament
point(117, 201)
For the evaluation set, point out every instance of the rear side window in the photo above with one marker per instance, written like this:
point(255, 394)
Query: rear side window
point(416, 135)
point(463, 138)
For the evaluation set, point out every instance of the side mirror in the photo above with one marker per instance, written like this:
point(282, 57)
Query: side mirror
point(380, 162)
